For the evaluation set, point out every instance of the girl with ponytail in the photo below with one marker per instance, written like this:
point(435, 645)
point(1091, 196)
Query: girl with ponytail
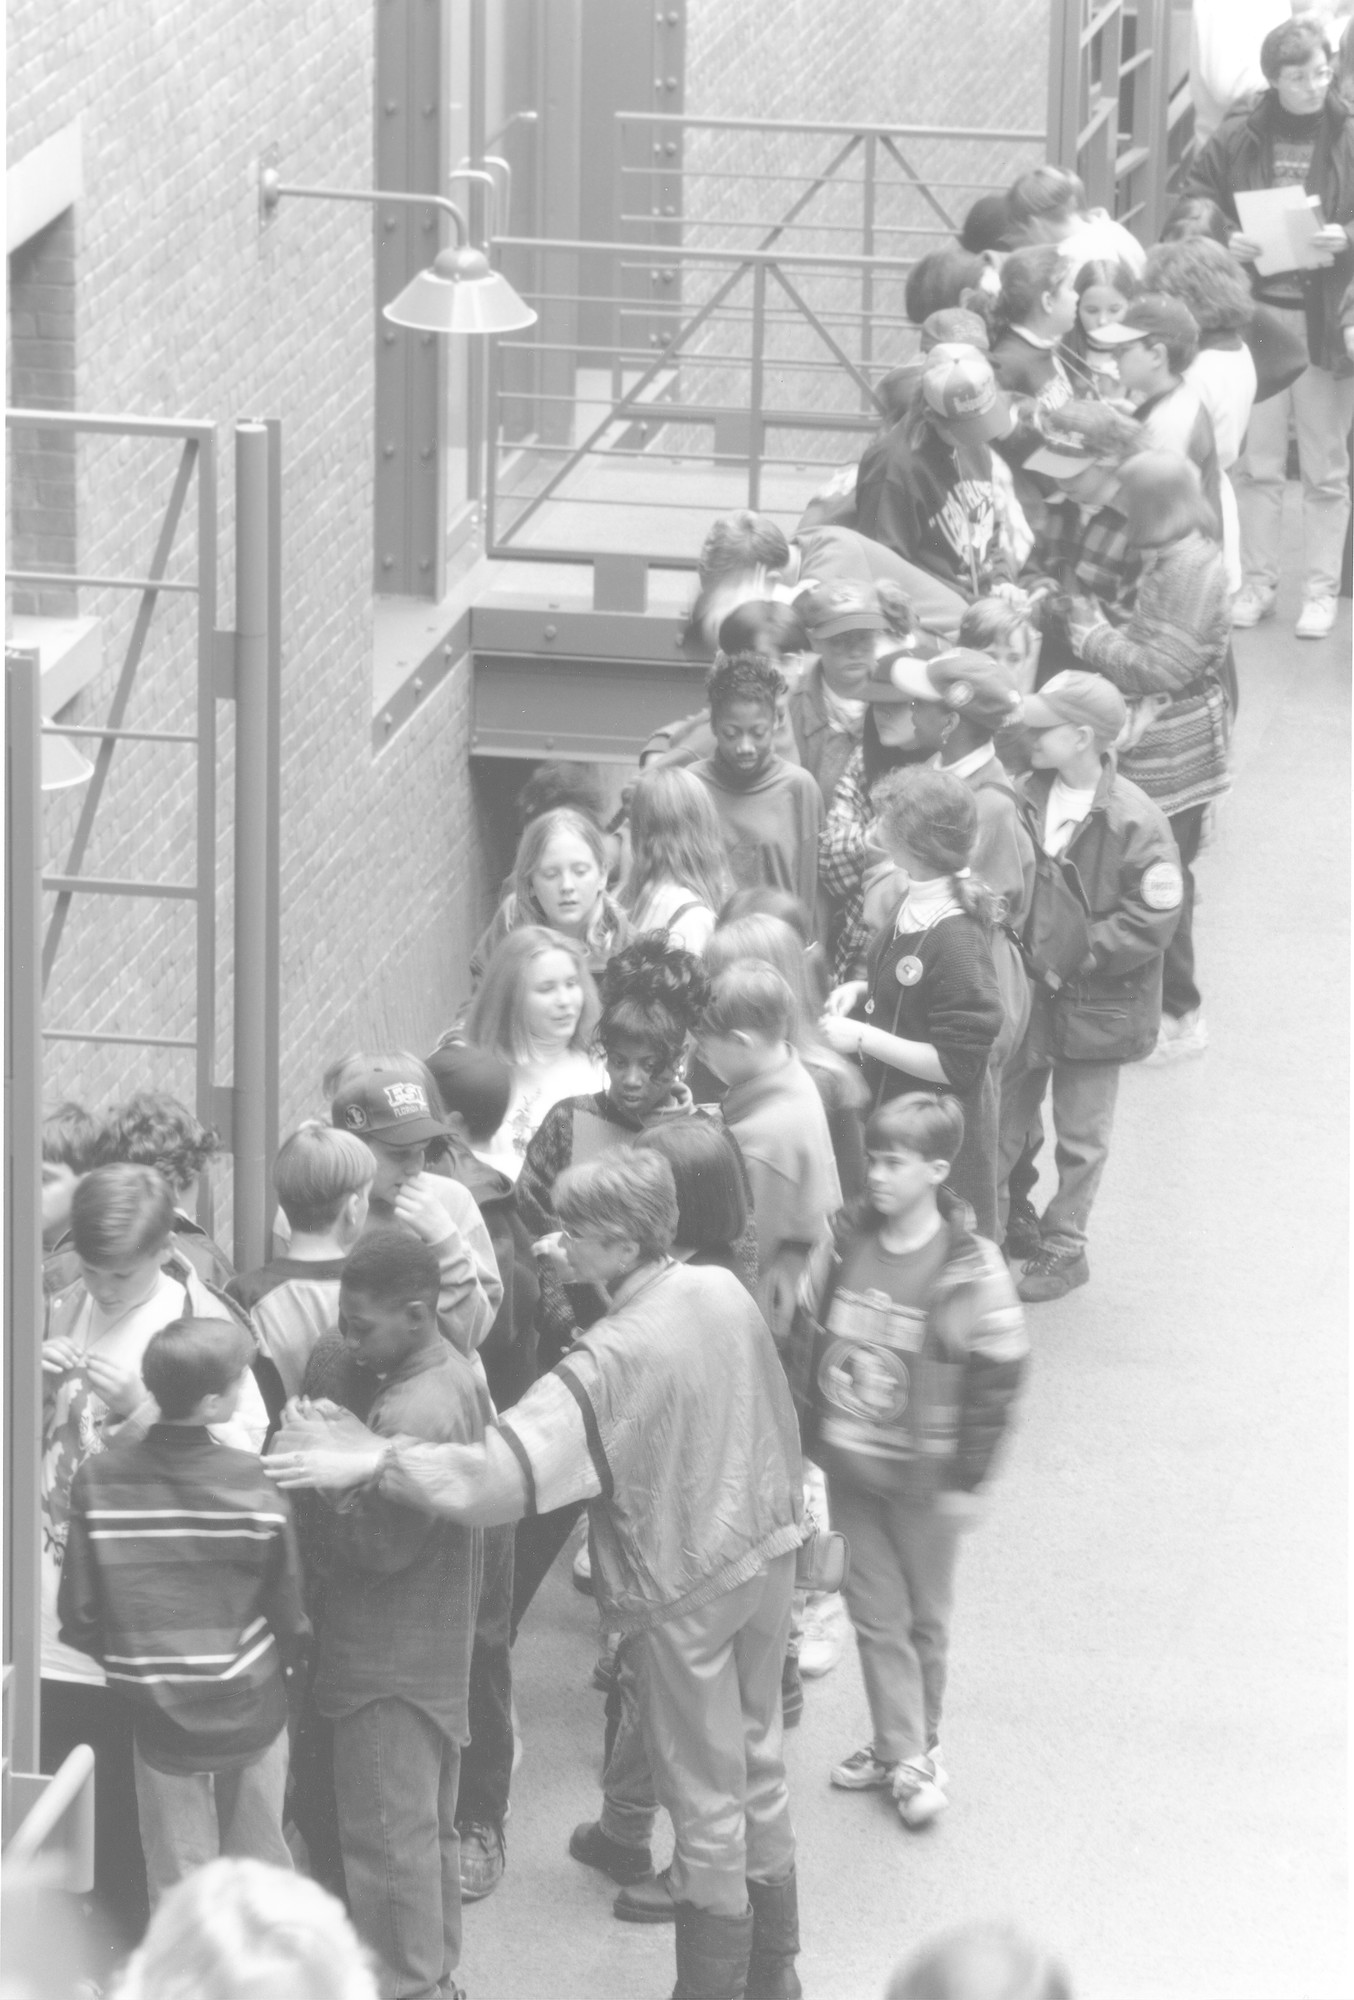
point(927, 1013)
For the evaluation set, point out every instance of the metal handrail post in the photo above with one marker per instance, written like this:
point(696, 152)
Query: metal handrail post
point(252, 843)
point(756, 389)
point(868, 195)
point(23, 1198)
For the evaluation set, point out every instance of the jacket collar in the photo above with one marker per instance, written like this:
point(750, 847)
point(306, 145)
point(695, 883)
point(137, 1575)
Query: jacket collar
point(1040, 783)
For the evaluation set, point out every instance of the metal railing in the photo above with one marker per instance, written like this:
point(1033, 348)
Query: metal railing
point(732, 335)
point(1114, 103)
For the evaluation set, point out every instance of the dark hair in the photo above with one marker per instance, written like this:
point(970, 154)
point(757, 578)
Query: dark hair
point(556, 783)
point(712, 1205)
point(1046, 192)
point(121, 1211)
point(1180, 348)
point(72, 1137)
point(764, 901)
point(1025, 277)
point(390, 1263)
point(1196, 215)
point(935, 816)
point(654, 992)
point(474, 1084)
point(153, 1129)
point(941, 278)
point(626, 1193)
point(744, 677)
point(765, 627)
point(1292, 44)
point(1111, 272)
point(1207, 278)
point(193, 1358)
point(987, 224)
point(932, 1127)
point(878, 758)
point(750, 999)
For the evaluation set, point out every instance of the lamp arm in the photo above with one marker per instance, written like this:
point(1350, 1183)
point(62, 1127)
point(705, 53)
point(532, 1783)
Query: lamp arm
point(467, 173)
point(271, 191)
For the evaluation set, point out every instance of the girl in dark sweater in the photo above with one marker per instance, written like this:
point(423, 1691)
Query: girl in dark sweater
point(927, 1013)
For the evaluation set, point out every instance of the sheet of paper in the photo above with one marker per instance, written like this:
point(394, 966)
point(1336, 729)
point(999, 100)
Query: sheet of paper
point(1283, 221)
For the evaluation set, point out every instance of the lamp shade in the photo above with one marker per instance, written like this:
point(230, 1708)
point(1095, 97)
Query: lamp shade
point(459, 293)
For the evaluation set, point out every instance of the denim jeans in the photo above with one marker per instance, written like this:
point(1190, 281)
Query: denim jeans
point(190, 1817)
point(899, 1592)
point(79, 1712)
point(486, 1763)
point(710, 1699)
point(395, 1776)
point(1179, 991)
point(1084, 1095)
point(1322, 408)
point(629, 1800)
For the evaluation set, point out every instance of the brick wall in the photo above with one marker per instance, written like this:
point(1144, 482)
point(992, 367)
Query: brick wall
point(182, 307)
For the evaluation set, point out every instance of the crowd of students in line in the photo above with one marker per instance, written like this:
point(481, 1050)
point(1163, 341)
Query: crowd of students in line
point(712, 1213)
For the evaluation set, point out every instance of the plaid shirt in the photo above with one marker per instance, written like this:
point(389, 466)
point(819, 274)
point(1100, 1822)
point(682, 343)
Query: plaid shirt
point(1087, 553)
point(841, 868)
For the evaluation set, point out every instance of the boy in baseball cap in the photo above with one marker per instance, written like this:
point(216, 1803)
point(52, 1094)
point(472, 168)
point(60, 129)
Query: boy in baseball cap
point(928, 488)
point(1153, 344)
point(827, 708)
point(1094, 947)
point(387, 1102)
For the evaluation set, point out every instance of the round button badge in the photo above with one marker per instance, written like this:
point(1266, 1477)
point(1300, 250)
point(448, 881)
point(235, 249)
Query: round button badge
point(908, 970)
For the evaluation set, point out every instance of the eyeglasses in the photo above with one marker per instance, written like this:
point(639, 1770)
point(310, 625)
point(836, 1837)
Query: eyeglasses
point(1308, 76)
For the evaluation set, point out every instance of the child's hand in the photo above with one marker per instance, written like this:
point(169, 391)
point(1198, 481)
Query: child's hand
point(416, 1204)
point(122, 1390)
point(843, 999)
point(60, 1356)
point(841, 1034)
point(1245, 247)
point(550, 1249)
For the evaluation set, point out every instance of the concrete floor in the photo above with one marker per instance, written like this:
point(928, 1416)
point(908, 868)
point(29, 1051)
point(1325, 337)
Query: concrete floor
point(1146, 1720)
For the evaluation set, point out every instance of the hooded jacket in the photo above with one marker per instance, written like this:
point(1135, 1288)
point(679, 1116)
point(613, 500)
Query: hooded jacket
point(1240, 156)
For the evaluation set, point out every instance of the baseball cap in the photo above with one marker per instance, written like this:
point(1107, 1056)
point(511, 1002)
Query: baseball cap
point(1154, 315)
point(961, 389)
point(954, 326)
point(963, 679)
point(1077, 698)
point(840, 607)
point(389, 1103)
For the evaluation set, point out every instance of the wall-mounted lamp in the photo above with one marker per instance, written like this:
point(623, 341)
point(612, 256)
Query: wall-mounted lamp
point(458, 293)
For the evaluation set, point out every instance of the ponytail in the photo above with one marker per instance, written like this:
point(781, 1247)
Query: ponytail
point(976, 900)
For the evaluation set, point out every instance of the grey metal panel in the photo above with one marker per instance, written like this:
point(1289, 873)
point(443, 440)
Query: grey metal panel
point(410, 153)
point(611, 635)
point(601, 711)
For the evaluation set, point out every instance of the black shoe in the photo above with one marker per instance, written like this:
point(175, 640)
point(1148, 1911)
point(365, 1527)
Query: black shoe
point(791, 1694)
point(775, 1940)
point(1023, 1239)
point(647, 1902)
point(1057, 1270)
point(595, 1849)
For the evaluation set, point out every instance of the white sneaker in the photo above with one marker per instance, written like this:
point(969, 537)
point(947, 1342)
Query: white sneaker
point(1177, 1039)
point(917, 1792)
point(820, 1638)
point(583, 1570)
point(1253, 602)
point(1317, 618)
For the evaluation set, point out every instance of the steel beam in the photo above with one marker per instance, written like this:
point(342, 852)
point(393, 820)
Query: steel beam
point(23, 1200)
point(255, 841)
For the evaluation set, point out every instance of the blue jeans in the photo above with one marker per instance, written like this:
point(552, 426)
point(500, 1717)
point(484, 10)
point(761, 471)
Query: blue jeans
point(629, 1802)
point(190, 1817)
point(395, 1776)
point(486, 1766)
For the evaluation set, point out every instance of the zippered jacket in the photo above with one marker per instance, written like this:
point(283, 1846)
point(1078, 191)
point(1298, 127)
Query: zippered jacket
point(959, 1387)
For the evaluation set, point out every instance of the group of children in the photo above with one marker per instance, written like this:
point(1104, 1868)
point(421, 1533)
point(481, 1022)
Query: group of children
point(923, 862)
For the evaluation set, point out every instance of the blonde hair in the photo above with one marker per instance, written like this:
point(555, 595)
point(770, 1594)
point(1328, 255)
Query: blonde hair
point(675, 837)
point(316, 1170)
point(766, 940)
point(520, 906)
point(241, 1930)
point(497, 1018)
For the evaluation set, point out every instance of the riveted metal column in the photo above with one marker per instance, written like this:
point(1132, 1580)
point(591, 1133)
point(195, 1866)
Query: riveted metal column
point(410, 154)
point(255, 842)
point(23, 1198)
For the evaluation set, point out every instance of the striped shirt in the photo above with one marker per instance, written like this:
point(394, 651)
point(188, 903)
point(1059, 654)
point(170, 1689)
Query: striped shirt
point(181, 1576)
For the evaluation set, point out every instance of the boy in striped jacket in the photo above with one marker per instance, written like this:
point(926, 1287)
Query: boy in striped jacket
point(181, 1577)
